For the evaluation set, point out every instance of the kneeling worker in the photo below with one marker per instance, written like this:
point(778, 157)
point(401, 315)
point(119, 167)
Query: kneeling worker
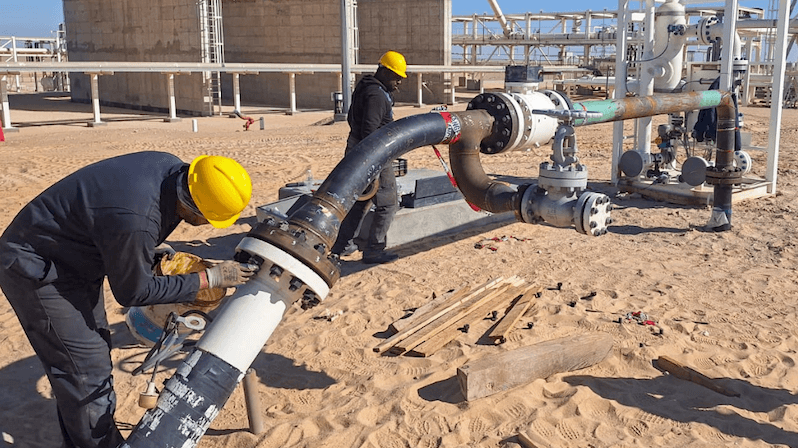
point(109, 219)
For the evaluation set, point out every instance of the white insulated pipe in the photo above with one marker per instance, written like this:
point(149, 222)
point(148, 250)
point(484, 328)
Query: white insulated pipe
point(497, 11)
point(248, 318)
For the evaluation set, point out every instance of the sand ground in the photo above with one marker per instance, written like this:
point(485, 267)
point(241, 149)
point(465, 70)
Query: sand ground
point(727, 303)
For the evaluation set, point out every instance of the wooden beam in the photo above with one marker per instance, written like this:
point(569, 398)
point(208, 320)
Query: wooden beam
point(423, 311)
point(679, 370)
point(450, 333)
point(499, 333)
point(496, 373)
point(434, 314)
point(452, 316)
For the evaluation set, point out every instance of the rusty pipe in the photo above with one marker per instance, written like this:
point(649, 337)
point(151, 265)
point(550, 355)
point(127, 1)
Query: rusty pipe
point(724, 174)
point(477, 187)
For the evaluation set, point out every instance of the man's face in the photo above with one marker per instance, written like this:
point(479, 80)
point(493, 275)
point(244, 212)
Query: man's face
point(189, 216)
point(393, 82)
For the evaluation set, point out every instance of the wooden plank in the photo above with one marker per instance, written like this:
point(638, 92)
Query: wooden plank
point(679, 370)
point(431, 316)
point(447, 335)
point(499, 333)
point(496, 373)
point(423, 310)
point(452, 316)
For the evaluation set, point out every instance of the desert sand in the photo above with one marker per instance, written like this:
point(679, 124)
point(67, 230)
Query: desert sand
point(727, 303)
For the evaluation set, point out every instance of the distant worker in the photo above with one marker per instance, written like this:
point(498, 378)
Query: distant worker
point(372, 108)
point(109, 219)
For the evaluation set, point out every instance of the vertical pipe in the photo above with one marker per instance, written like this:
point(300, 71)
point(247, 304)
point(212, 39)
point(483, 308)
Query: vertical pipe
point(646, 88)
point(14, 58)
point(236, 92)
point(474, 35)
point(774, 130)
point(346, 56)
point(620, 87)
point(729, 34)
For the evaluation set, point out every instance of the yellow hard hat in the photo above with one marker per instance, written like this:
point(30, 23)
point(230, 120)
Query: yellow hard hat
point(220, 187)
point(395, 62)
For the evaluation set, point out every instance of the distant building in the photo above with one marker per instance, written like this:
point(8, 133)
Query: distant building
point(250, 31)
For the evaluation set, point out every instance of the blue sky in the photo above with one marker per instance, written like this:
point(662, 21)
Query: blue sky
point(40, 18)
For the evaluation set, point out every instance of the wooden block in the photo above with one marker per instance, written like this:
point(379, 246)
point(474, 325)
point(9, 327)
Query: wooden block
point(451, 317)
point(447, 335)
point(431, 316)
point(679, 370)
point(499, 333)
point(423, 310)
point(496, 373)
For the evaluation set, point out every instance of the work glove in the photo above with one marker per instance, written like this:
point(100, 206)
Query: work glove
point(228, 274)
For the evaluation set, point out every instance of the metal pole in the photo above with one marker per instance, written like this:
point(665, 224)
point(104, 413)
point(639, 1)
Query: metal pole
point(774, 130)
point(252, 400)
point(620, 88)
point(14, 58)
point(346, 56)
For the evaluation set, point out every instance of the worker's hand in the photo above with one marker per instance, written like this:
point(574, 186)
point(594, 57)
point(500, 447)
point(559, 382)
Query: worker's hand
point(164, 250)
point(228, 274)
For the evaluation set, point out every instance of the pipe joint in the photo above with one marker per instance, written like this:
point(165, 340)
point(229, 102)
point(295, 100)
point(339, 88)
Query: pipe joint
point(301, 243)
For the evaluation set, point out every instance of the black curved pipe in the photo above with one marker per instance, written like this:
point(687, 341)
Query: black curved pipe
point(324, 211)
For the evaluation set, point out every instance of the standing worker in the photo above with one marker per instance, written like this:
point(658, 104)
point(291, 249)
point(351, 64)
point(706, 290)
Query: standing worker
point(109, 219)
point(372, 108)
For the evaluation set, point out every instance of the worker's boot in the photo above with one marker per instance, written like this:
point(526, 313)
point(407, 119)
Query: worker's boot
point(379, 257)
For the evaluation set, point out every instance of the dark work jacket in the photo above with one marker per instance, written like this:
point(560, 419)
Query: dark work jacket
point(372, 108)
point(104, 219)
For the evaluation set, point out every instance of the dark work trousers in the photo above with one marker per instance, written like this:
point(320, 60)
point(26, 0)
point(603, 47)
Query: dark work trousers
point(66, 324)
point(385, 203)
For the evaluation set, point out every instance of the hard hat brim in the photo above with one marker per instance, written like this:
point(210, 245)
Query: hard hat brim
point(224, 224)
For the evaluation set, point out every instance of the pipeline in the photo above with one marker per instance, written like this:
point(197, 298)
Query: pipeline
point(294, 257)
point(295, 265)
point(724, 174)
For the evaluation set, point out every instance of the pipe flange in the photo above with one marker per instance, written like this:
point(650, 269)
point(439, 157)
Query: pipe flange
point(592, 214)
point(560, 100)
point(290, 275)
point(558, 176)
point(505, 115)
point(724, 176)
point(305, 246)
point(705, 30)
